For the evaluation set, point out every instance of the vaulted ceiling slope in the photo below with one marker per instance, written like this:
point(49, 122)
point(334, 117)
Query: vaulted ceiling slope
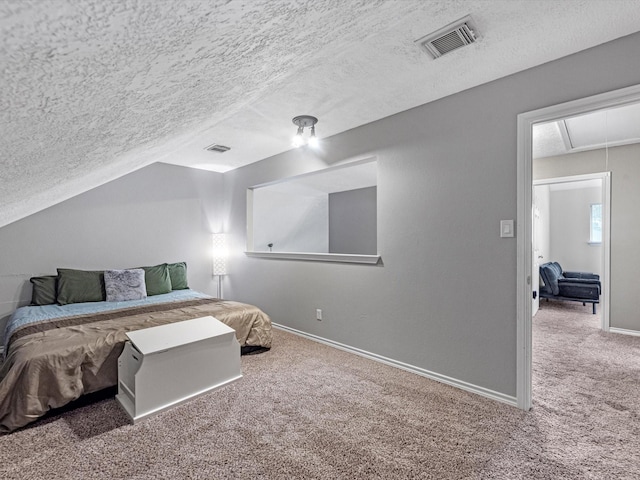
point(91, 89)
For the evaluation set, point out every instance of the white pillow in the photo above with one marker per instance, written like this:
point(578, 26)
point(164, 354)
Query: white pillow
point(123, 285)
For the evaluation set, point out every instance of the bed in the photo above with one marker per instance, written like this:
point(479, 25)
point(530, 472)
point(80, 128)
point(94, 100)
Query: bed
point(56, 353)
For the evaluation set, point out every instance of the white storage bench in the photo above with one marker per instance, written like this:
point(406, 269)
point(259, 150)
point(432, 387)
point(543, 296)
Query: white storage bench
point(163, 366)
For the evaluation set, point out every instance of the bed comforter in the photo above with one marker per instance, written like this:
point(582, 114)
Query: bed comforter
point(52, 362)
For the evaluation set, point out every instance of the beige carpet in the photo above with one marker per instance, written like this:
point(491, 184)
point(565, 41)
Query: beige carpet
point(305, 410)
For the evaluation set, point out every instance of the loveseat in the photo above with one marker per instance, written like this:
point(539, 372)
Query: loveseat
point(570, 286)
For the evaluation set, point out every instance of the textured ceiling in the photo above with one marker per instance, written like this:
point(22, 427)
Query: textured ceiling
point(94, 89)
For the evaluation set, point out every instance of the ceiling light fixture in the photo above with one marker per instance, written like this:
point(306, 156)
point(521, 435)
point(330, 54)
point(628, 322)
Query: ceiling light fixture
point(302, 122)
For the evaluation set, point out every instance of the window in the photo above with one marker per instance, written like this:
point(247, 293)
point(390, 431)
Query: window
point(595, 228)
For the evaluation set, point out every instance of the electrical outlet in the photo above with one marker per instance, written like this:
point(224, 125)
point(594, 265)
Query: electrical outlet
point(318, 314)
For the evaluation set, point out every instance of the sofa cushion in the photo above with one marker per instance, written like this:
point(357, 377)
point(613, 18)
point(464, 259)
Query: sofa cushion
point(550, 273)
point(578, 290)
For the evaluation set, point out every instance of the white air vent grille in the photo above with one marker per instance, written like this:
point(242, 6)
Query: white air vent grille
point(217, 148)
point(453, 36)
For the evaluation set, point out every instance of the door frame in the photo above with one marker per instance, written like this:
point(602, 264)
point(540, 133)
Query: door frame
point(525, 124)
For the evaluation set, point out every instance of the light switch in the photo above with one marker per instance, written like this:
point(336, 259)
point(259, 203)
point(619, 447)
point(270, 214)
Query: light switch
point(506, 228)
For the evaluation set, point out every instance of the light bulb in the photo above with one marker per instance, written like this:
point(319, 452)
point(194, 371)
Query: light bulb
point(313, 140)
point(298, 141)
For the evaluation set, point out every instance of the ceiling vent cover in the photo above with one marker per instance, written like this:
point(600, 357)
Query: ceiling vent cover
point(453, 36)
point(217, 148)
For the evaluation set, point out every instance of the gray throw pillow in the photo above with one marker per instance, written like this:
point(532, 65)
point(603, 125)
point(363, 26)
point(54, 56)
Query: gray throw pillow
point(123, 285)
point(178, 275)
point(44, 290)
point(79, 286)
point(157, 279)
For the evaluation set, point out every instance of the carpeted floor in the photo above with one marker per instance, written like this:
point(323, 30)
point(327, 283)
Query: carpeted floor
point(307, 411)
point(585, 421)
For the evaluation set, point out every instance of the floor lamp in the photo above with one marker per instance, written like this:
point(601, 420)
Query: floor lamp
point(219, 258)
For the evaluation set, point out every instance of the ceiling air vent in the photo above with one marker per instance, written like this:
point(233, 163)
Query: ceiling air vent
point(217, 148)
point(453, 36)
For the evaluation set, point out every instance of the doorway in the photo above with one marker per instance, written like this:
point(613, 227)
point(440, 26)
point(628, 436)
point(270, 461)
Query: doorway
point(566, 230)
point(526, 122)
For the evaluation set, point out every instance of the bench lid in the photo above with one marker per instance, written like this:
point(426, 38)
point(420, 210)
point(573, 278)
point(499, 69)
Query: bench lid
point(172, 335)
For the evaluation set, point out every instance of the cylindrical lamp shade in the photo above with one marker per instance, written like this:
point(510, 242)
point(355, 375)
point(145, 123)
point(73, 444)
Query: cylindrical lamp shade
point(219, 254)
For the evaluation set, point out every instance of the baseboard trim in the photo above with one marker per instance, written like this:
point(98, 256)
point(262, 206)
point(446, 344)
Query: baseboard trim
point(624, 331)
point(469, 387)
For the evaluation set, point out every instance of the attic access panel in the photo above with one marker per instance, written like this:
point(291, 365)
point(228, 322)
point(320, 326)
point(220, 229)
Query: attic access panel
point(607, 127)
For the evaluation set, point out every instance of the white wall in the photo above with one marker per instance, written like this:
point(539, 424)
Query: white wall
point(570, 211)
point(161, 213)
point(444, 298)
point(292, 223)
point(542, 241)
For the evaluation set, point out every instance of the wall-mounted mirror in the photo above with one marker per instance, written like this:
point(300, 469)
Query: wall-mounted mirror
point(331, 212)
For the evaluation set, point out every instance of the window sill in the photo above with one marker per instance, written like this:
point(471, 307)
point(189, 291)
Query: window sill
point(594, 244)
point(318, 257)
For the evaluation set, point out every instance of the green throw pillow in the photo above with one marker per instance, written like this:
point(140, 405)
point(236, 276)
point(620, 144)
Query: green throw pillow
point(79, 286)
point(44, 290)
point(178, 274)
point(157, 279)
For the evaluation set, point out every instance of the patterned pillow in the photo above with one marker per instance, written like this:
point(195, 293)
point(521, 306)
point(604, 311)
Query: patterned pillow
point(123, 285)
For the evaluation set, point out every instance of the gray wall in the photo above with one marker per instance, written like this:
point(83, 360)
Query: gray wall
point(444, 298)
point(161, 213)
point(570, 212)
point(352, 221)
point(624, 165)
